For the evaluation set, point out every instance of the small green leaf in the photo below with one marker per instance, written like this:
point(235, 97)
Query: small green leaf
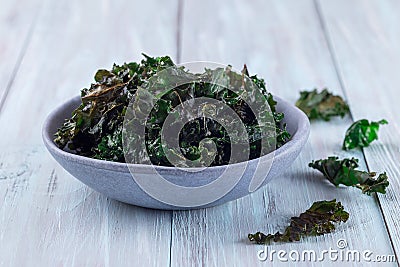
point(102, 74)
point(361, 133)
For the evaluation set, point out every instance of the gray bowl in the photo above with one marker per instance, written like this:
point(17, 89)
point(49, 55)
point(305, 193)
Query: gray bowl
point(115, 180)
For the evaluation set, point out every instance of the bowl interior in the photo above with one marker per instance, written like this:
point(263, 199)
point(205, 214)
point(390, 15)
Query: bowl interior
point(297, 125)
point(115, 179)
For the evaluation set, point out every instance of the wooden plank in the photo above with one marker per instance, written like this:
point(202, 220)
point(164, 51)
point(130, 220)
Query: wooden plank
point(282, 41)
point(366, 39)
point(46, 216)
point(16, 22)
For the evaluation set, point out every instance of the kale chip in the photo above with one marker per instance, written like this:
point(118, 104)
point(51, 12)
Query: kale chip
point(323, 105)
point(317, 220)
point(96, 127)
point(344, 172)
point(361, 133)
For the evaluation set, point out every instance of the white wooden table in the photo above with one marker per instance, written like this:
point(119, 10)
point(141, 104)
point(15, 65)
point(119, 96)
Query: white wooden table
point(49, 50)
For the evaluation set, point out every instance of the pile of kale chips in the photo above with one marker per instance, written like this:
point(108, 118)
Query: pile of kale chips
point(95, 128)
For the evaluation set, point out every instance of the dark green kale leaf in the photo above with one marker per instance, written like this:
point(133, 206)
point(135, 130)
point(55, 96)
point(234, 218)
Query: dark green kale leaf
point(317, 220)
point(344, 172)
point(323, 105)
point(95, 128)
point(282, 135)
point(361, 133)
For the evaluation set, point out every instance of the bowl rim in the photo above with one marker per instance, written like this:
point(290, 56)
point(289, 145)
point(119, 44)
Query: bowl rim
point(301, 135)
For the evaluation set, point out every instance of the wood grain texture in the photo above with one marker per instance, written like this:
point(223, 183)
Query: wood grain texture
point(48, 218)
point(16, 23)
point(366, 41)
point(283, 42)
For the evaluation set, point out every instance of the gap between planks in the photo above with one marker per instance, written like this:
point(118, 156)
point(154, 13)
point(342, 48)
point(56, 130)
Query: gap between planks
point(335, 63)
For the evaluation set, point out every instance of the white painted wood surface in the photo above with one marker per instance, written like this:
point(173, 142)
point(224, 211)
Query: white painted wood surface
point(283, 42)
point(16, 21)
point(49, 218)
point(366, 42)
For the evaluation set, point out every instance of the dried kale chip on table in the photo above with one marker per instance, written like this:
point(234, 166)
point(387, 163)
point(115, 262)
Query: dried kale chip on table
point(362, 133)
point(319, 219)
point(344, 172)
point(96, 126)
point(322, 105)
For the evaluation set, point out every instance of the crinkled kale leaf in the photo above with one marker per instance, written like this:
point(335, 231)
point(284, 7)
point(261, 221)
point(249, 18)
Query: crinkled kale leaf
point(317, 220)
point(323, 105)
point(95, 128)
point(344, 172)
point(361, 133)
